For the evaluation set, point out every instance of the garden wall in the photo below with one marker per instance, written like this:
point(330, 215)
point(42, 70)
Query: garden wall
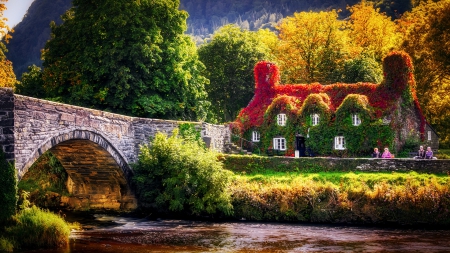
point(253, 164)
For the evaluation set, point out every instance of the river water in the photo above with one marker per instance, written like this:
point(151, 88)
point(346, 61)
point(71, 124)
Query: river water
point(109, 233)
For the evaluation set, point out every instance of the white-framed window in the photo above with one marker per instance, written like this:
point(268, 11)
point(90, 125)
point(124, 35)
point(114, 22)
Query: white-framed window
point(429, 135)
point(339, 142)
point(315, 119)
point(279, 143)
point(356, 120)
point(281, 119)
point(255, 136)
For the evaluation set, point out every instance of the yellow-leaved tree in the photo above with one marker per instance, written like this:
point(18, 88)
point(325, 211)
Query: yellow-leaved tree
point(312, 45)
point(426, 31)
point(371, 32)
point(7, 76)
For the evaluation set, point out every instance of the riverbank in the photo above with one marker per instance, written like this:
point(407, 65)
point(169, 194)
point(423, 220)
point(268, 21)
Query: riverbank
point(411, 198)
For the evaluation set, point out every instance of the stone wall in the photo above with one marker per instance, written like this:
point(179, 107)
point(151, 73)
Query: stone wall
point(7, 123)
point(251, 164)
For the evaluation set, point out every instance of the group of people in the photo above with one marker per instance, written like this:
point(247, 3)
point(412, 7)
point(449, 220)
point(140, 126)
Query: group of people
point(421, 154)
point(378, 154)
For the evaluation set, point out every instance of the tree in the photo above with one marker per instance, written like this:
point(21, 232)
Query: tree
point(7, 76)
point(229, 59)
point(361, 69)
point(426, 34)
point(31, 83)
point(311, 47)
point(371, 32)
point(129, 57)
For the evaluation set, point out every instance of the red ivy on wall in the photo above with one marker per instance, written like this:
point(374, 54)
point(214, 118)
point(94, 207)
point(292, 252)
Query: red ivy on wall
point(382, 97)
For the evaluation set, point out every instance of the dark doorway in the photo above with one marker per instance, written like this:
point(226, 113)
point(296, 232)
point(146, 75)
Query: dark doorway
point(300, 144)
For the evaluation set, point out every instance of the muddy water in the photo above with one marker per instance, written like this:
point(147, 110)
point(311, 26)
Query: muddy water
point(103, 233)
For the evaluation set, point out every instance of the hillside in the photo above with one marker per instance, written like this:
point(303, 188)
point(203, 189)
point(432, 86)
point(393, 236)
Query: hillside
point(205, 16)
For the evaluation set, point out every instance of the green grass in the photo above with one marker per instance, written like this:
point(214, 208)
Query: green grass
point(37, 228)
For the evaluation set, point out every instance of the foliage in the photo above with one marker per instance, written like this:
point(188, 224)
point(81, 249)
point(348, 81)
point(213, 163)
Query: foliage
point(8, 189)
point(181, 176)
point(31, 83)
point(6, 245)
point(336, 103)
point(229, 59)
point(426, 30)
point(373, 33)
point(311, 46)
point(7, 76)
point(361, 69)
point(127, 57)
point(189, 133)
point(45, 178)
point(37, 228)
point(362, 198)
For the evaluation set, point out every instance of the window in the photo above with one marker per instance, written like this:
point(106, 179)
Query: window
point(356, 120)
point(339, 142)
point(315, 119)
point(429, 135)
point(279, 143)
point(255, 136)
point(281, 119)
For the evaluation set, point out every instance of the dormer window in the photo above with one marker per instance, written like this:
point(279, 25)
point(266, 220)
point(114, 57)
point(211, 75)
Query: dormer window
point(315, 119)
point(281, 119)
point(255, 136)
point(356, 120)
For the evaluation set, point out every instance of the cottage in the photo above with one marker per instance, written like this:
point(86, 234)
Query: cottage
point(338, 119)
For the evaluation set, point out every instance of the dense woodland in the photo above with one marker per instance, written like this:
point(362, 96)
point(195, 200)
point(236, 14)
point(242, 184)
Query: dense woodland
point(205, 17)
point(129, 57)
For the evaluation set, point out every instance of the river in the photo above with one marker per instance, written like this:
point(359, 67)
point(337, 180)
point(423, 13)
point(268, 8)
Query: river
point(109, 233)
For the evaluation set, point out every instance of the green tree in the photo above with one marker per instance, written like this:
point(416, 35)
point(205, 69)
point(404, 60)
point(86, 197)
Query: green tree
point(361, 69)
point(230, 58)
point(8, 189)
point(126, 56)
point(31, 83)
point(180, 175)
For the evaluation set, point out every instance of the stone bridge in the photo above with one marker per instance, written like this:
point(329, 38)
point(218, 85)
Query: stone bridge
point(95, 147)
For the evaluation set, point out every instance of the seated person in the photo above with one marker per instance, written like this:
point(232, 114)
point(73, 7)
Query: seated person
point(421, 153)
point(429, 154)
point(386, 153)
point(376, 153)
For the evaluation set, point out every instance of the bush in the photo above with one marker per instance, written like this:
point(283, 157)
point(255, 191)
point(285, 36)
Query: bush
point(181, 176)
point(37, 228)
point(6, 245)
point(8, 189)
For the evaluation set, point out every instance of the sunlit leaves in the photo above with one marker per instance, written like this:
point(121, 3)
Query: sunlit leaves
point(7, 76)
point(311, 46)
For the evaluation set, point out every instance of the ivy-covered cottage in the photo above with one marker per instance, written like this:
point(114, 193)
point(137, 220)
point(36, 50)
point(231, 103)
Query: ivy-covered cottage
point(338, 119)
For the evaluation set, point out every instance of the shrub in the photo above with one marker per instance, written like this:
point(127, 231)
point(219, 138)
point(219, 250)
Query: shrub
point(8, 189)
point(6, 245)
point(179, 175)
point(39, 228)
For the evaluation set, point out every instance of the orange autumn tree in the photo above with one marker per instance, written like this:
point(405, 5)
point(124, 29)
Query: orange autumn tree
point(312, 44)
point(7, 76)
point(426, 31)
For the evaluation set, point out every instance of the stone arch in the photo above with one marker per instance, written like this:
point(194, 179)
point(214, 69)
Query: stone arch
point(99, 175)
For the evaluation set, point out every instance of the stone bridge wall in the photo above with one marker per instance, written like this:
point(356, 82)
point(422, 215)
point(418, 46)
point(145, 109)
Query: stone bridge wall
point(30, 126)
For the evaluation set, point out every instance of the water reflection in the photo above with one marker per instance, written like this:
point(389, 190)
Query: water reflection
point(103, 233)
